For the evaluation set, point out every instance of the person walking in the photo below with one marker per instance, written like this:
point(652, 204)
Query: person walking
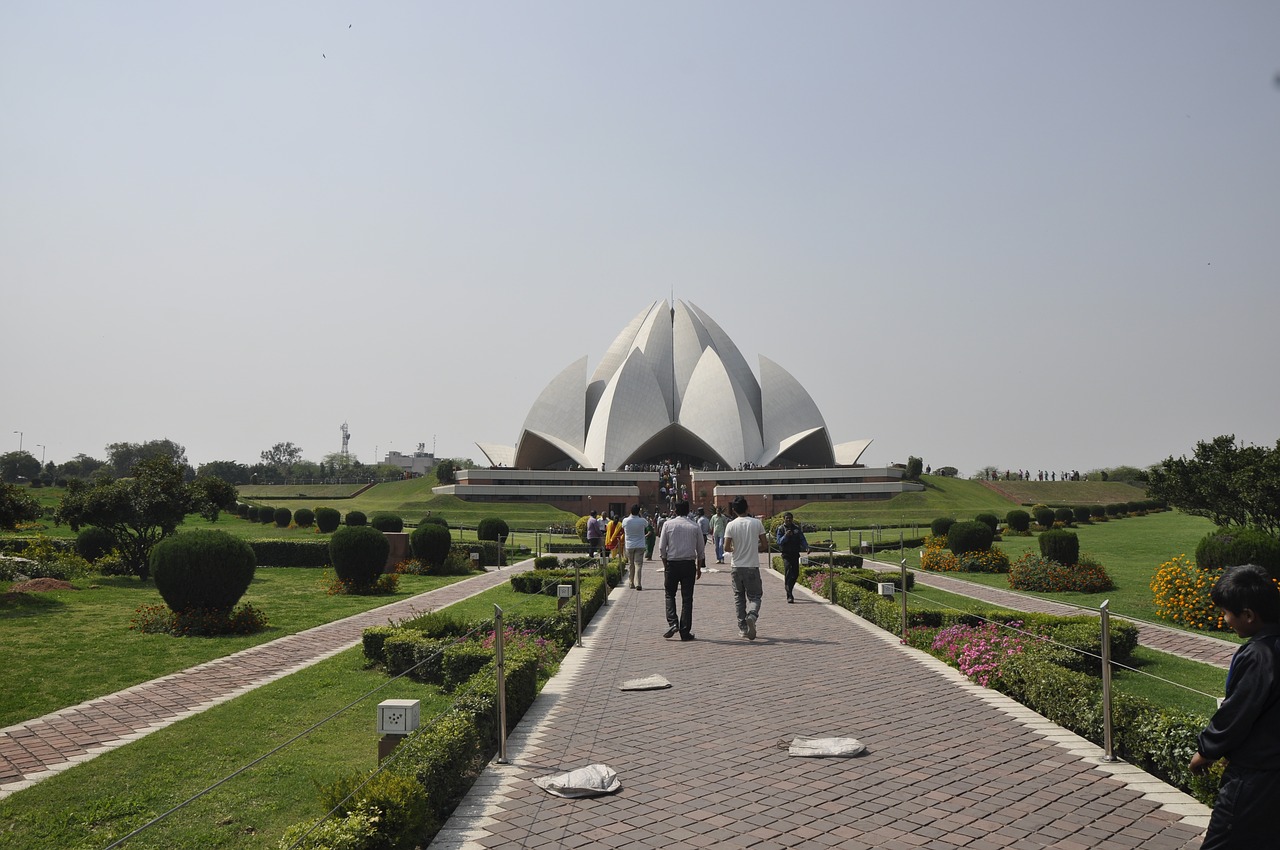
point(650, 536)
point(791, 542)
point(633, 543)
point(718, 523)
point(680, 546)
point(744, 539)
point(595, 535)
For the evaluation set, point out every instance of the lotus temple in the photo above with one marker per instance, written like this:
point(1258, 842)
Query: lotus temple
point(673, 405)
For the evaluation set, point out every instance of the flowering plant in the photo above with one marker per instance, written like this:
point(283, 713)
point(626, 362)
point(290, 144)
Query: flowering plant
point(1181, 594)
point(1044, 575)
point(977, 651)
point(159, 619)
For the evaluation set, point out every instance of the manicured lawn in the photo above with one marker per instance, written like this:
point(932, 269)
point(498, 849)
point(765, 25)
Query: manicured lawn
point(1130, 549)
point(64, 647)
point(102, 800)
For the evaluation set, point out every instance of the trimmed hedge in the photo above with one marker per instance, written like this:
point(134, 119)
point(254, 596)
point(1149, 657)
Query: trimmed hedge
point(266, 515)
point(304, 517)
point(328, 520)
point(1080, 513)
point(358, 554)
point(940, 526)
point(93, 542)
point(430, 544)
point(990, 520)
point(1018, 519)
point(1061, 546)
point(202, 570)
point(1233, 546)
point(1044, 517)
point(356, 518)
point(969, 537)
point(492, 528)
point(282, 517)
point(385, 521)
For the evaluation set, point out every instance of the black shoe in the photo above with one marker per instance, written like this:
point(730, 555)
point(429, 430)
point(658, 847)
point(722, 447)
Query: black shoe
point(638, 587)
point(791, 599)
point(687, 636)
point(669, 632)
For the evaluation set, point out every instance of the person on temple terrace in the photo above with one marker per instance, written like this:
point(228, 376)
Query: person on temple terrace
point(744, 540)
point(633, 528)
point(1245, 730)
point(681, 547)
point(791, 542)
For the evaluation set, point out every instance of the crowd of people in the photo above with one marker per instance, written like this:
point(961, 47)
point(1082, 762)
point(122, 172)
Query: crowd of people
point(1025, 475)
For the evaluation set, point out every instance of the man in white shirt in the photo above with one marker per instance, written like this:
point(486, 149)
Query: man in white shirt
point(744, 540)
point(633, 545)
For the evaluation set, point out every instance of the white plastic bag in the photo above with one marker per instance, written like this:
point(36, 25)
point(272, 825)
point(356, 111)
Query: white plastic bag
point(590, 781)
point(825, 747)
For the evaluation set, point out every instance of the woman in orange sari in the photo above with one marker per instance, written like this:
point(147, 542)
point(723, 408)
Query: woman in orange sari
point(613, 538)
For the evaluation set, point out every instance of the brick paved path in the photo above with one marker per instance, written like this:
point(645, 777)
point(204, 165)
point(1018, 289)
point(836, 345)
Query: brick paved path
point(949, 764)
point(39, 748)
point(1197, 647)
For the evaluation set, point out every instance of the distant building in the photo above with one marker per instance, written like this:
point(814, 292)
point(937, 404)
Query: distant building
point(673, 410)
point(420, 462)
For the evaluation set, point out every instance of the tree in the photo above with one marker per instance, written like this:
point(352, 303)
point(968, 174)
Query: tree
point(446, 470)
point(17, 466)
point(915, 466)
point(211, 495)
point(124, 456)
point(80, 466)
point(282, 456)
point(16, 506)
point(230, 471)
point(139, 511)
point(1228, 483)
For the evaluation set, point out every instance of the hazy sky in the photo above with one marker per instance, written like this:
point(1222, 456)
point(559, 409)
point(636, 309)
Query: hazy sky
point(1024, 234)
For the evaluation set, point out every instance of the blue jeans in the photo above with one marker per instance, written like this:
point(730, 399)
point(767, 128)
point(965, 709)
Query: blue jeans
point(720, 549)
point(747, 593)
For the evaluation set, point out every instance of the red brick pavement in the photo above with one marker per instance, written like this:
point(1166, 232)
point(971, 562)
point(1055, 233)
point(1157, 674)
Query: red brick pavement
point(41, 747)
point(702, 764)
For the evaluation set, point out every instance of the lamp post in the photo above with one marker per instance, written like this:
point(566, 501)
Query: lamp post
point(19, 433)
point(43, 447)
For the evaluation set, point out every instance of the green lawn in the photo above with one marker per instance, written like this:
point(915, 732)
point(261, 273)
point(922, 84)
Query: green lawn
point(100, 801)
point(64, 647)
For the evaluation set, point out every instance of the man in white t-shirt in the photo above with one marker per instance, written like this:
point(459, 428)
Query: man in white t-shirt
point(744, 540)
point(633, 545)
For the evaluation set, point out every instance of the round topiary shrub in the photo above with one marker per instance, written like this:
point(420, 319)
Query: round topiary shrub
point(202, 570)
point(1044, 517)
point(969, 537)
point(1097, 512)
point(492, 528)
point(1018, 520)
point(434, 520)
point(581, 527)
point(356, 518)
point(304, 517)
point(940, 526)
point(1060, 545)
point(282, 516)
point(1233, 546)
point(252, 513)
point(242, 510)
point(1115, 510)
point(430, 543)
point(266, 514)
point(93, 542)
point(1063, 515)
point(327, 519)
point(990, 520)
point(358, 554)
point(384, 521)
point(1080, 513)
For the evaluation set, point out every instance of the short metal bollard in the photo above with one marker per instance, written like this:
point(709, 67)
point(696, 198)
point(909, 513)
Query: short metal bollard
point(499, 640)
point(577, 597)
point(1108, 753)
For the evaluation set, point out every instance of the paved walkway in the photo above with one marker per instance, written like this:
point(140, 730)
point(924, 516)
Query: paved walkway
point(42, 747)
point(702, 764)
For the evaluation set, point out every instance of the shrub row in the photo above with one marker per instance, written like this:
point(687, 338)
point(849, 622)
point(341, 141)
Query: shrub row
point(291, 553)
point(1064, 688)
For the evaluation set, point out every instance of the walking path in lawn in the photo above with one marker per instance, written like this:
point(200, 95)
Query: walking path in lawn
point(705, 763)
point(1196, 647)
point(39, 748)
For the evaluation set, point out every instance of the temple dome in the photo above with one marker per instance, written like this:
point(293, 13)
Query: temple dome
point(672, 384)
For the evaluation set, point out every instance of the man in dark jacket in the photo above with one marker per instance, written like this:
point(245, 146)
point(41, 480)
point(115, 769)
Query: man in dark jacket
point(791, 542)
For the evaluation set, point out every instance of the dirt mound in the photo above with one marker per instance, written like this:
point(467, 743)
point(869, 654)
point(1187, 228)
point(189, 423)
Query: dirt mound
point(38, 585)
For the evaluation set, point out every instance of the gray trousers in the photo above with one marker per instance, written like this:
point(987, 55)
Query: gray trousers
point(747, 594)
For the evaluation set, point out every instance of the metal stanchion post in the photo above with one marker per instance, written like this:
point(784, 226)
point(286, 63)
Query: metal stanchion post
point(1107, 753)
point(498, 640)
point(577, 598)
point(902, 566)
